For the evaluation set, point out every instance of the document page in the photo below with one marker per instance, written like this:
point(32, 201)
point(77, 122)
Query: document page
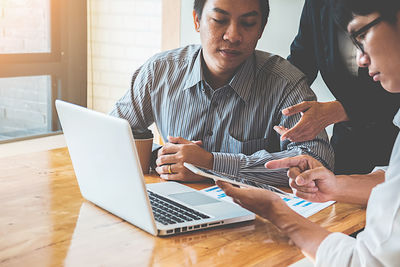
point(303, 207)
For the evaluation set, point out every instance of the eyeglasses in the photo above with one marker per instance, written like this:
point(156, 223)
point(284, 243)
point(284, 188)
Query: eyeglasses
point(355, 35)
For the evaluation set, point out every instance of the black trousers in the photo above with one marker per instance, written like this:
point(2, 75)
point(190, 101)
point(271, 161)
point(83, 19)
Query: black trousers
point(359, 149)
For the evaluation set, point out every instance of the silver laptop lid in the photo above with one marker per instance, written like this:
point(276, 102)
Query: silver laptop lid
point(106, 164)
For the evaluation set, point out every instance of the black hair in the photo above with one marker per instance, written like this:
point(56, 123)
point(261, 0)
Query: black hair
point(345, 10)
point(264, 7)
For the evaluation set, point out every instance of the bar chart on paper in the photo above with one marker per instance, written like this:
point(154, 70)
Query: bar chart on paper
point(301, 206)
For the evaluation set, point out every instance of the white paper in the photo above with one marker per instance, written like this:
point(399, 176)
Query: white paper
point(303, 207)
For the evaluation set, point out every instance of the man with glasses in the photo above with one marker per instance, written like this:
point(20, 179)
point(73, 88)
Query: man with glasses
point(363, 134)
point(375, 28)
point(357, 36)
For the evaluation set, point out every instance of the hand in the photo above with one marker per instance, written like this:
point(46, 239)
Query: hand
point(315, 117)
point(302, 232)
point(254, 199)
point(177, 151)
point(308, 178)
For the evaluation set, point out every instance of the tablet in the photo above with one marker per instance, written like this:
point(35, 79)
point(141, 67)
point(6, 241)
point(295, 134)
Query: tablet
point(219, 176)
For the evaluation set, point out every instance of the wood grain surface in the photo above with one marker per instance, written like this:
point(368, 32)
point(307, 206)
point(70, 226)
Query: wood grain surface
point(44, 221)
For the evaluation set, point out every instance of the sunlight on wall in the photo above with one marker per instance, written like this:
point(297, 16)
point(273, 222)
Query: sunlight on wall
point(24, 26)
point(123, 34)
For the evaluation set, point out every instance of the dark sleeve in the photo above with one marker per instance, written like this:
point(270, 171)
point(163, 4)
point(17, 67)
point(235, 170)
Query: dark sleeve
point(302, 50)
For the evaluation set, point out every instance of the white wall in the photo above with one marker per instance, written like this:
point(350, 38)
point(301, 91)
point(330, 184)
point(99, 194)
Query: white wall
point(123, 34)
point(278, 35)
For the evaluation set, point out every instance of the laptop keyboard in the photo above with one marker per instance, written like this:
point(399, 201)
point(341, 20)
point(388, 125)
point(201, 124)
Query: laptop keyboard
point(167, 211)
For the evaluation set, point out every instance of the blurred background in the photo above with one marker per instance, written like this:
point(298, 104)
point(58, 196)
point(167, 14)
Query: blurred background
point(85, 52)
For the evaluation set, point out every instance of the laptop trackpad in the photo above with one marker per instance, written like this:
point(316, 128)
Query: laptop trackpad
point(194, 198)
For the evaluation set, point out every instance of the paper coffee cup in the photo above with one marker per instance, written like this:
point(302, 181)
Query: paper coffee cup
point(143, 148)
point(144, 144)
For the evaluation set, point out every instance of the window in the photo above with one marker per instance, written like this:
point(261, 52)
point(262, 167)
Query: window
point(42, 58)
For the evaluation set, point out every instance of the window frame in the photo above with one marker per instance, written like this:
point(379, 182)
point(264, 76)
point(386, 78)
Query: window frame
point(66, 62)
point(53, 55)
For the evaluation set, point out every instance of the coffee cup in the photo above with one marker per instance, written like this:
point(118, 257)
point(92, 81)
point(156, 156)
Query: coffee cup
point(144, 144)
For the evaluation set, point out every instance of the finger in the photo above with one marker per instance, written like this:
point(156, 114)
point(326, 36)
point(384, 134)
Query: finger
point(229, 189)
point(296, 133)
point(307, 196)
point(166, 159)
point(172, 177)
point(304, 189)
point(303, 106)
point(310, 176)
point(223, 185)
point(165, 169)
point(220, 183)
point(293, 172)
point(310, 184)
point(199, 142)
point(293, 184)
point(280, 129)
point(285, 163)
point(168, 148)
point(178, 140)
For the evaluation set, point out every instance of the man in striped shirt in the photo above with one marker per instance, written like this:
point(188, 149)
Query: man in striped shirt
point(216, 103)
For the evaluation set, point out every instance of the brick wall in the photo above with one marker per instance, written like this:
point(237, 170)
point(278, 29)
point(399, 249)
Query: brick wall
point(24, 106)
point(122, 35)
point(24, 26)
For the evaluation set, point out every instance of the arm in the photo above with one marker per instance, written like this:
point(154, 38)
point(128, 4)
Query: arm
point(311, 181)
point(135, 106)
point(314, 182)
point(378, 245)
point(302, 50)
point(356, 189)
point(346, 88)
point(305, 234)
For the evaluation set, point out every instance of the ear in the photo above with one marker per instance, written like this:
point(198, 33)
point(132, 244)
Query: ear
point(196, 21)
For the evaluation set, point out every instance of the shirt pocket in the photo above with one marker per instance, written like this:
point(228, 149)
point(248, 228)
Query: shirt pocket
point(246, 147)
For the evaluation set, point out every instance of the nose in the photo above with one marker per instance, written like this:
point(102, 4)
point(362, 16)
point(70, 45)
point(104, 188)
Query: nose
point(363, 59)
point(232, 34)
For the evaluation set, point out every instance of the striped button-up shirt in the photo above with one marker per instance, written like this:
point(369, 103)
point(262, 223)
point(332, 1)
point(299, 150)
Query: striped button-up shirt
point(235, 122)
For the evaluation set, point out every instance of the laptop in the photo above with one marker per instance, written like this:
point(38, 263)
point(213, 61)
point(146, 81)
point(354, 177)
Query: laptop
point(108, 172)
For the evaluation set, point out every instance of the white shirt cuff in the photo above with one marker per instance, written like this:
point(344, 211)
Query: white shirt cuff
point(383, 168)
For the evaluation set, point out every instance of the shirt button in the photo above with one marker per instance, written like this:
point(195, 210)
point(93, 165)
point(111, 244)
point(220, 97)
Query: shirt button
point(209, 132)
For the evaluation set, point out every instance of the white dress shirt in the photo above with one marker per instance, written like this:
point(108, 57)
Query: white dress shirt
point(379, 243)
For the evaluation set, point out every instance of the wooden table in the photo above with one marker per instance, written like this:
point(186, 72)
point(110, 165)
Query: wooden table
point(44, 221)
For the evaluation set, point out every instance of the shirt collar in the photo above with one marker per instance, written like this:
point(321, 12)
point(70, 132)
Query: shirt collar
point(196, 73)
point(396, 120)
point(241, 82)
